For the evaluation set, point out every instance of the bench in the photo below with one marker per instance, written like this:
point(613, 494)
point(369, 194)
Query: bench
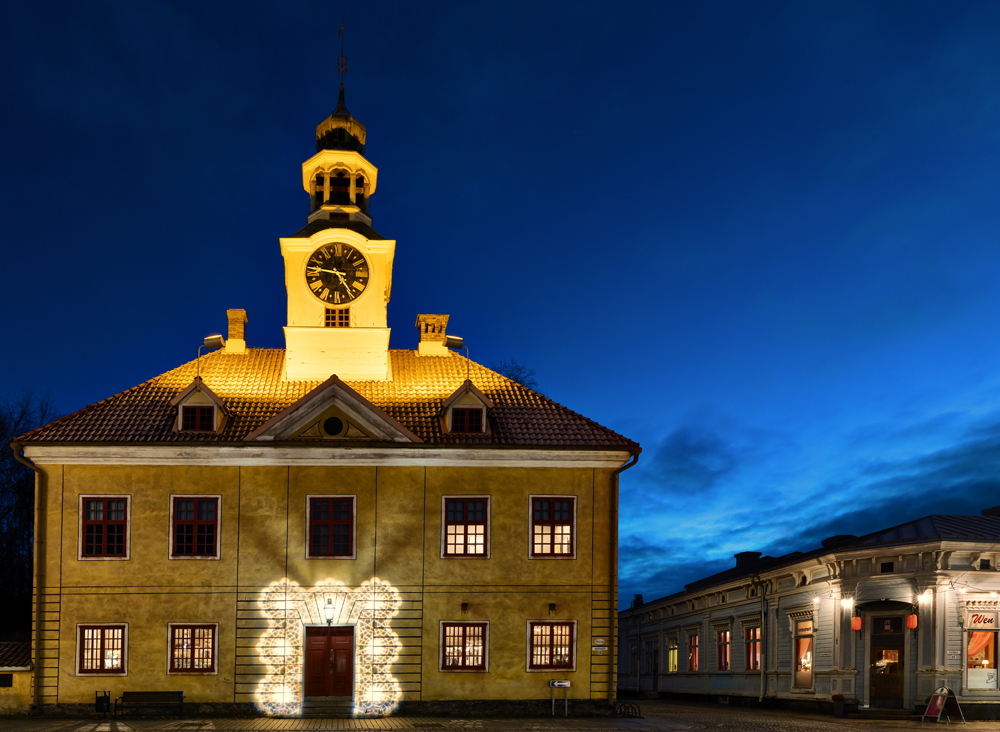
point(145, 698)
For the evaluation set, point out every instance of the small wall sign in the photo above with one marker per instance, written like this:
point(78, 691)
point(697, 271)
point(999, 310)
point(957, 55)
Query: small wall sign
point(981, 621)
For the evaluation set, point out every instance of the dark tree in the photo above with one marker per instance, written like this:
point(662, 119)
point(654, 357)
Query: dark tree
point(518, 372)
point(19, 414)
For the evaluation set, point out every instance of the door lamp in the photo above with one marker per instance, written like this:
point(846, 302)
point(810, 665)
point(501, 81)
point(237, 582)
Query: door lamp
point(328, 611)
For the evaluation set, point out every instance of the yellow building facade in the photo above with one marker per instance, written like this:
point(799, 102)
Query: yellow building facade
point(334, 526)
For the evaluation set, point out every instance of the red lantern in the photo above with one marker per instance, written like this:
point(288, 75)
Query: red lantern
point(911, 621)
point(856, 622)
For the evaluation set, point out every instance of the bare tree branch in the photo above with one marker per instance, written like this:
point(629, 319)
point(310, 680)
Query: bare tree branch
point(20, 413)
point(518, 372)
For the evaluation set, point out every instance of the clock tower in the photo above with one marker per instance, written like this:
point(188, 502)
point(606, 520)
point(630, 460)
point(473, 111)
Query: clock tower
point(338, 269)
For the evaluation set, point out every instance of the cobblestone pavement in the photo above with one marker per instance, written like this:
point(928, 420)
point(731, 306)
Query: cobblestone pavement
point(657, 716)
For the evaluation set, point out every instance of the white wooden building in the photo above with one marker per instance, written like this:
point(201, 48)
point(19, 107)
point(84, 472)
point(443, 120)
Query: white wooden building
point(882, 619)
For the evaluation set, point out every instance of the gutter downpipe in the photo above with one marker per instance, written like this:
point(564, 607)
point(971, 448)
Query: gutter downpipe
point(613, 576)
point(36, 640)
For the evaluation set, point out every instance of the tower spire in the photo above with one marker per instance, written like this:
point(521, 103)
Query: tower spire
point(341, 59)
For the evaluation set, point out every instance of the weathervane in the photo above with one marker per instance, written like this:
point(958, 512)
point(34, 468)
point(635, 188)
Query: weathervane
point(342, 59)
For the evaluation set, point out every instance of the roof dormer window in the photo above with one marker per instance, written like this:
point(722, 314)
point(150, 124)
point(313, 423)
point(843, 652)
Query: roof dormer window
point(198, 409)
point(467, 420)
point(198, 419)
point(464, 411)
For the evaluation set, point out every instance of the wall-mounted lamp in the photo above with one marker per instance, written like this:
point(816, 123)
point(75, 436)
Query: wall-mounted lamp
point(210, 344)
point(847, 603)
point(465, 607)
point(816, 600)
point(552, 608)
point(458, 343)
point(328, 611)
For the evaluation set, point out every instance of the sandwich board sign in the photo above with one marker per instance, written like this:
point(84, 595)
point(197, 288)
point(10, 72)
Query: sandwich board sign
point(943, 701)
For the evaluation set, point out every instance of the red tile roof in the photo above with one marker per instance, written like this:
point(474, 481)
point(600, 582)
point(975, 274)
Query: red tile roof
point(15, 655)
point(251, 386)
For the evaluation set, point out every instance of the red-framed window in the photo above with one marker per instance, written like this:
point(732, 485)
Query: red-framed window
point(723, 638)
point(552, 525)
point(331, 526)
point(198, 419)
point(101, 649)
point(463, 646)
point(466, 419)
point(692, 653)
point(104, 526)
point(466, 526)
point(192, 648)
point(551, 645)
point(753, 648)
point(195, 528)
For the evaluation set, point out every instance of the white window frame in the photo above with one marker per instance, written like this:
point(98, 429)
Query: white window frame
point(489, 525)
point(354, 526)
point(79, 640)
point(486, 647)
point(531, 533)
point(128, 527)
point(573, 641)
point(215, 650)
point(218, 528)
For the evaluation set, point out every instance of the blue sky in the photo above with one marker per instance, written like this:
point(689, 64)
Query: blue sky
point(758, 238)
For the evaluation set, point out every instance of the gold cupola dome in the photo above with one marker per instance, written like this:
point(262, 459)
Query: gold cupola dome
point(340, 131)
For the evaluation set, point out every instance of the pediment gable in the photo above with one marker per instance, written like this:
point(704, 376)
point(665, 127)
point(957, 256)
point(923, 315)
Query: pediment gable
point(310, 417)
point(468, 394)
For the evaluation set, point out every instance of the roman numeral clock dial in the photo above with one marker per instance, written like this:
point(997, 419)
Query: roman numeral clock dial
point(337, 273)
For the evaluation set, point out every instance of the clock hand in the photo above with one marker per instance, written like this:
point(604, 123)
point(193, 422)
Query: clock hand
point(314, 268)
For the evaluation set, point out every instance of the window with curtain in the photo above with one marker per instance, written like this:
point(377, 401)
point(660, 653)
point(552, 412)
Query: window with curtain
point(981, 659)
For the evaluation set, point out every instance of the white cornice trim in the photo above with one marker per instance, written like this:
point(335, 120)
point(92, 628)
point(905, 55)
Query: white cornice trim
point(256, 454)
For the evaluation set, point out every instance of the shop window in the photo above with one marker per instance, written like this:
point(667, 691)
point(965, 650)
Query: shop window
point(198, 419)
point(552, 524)
point(803, 654)
point(672, 656)
point(463, 646)
point(752, 636)
point(981, 650)
point(466, 526)
point(551, 646)
point(104, 527)
point(692, 653)
point(102, 649)
point(195, 527)
point(722, 643)
point(331, 527)
point(192, 648)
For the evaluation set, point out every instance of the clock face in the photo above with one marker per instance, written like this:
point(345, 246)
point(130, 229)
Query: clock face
point(337, 273)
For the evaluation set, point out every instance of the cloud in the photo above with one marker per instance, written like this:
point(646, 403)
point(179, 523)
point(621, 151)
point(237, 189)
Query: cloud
point(724, 512)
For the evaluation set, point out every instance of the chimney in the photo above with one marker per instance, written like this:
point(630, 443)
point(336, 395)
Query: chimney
point(236, 341)
point(745, 558)
point(432, 332)
point(636, 600)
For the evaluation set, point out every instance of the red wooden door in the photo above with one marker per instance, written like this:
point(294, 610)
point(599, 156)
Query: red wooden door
point(329, 661)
